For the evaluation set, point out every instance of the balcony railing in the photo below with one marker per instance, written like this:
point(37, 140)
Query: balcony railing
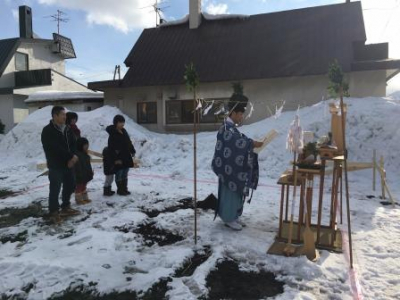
point(25, 79)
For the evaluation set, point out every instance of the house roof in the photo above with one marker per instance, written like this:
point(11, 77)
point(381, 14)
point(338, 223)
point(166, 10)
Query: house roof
point(9, 46)
point(290, 43)
point(45, 96)
point(7, 50)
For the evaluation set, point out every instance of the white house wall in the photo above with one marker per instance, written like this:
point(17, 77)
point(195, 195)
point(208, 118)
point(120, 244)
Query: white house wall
point(59, 83)
point(41, 56)
point(265, 94)
point(6, 111)
point(368, 84)
point(76, 107)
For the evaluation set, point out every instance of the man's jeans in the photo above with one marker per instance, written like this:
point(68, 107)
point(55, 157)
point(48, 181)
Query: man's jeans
point(121, 175)
point(58, 177)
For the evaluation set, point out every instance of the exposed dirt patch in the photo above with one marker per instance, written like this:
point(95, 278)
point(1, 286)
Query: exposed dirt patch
point(186, 203)
point(386, 203)
point(209, 203)
point(228, 282)
point(4, 193)
point(81, 292)
point(191, 264)
point(12, 216)
point(152, 234)
point(19, 237)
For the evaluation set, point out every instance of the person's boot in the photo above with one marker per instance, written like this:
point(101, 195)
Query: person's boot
point(107, 191)
point(68, 211)
point(121, 188)
point(54, 218)
point(125, 181)
point(85, 198)
point(79, 199)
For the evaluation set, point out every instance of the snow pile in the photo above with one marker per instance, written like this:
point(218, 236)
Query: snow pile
point(371, 124)
point(23, 143)
point(58, 95)
point(1, 137)
point(207, 16)
point(89, 249)
point(395, 95)
point(212, 17)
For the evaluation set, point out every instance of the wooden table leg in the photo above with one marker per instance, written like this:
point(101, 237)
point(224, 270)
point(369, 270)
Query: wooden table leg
point(321, 195)
point(287, 202)
point(301, 210)
point(281, 211)
point(310, 187)
point(335, 201)
point(334, 175)
point(341, 194)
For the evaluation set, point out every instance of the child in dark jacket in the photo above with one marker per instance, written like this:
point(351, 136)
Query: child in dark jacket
point(109, 171)
point(83, 171)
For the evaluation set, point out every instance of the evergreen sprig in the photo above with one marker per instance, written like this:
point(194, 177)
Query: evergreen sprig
point(2, 126)
point(191, 77)
point(336, 81)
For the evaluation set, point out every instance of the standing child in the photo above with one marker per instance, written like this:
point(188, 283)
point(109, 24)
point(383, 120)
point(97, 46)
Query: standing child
point(122, 151)
point(83, 171)
point(109, 171)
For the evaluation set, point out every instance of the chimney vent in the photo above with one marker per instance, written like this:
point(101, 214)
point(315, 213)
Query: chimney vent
point(194, 13)
point(25, 22)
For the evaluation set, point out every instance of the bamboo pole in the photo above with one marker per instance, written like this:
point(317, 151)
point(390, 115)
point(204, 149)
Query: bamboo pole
point(374, 170)
point(195, 165)
point(290, 249)
point(382, 168)
point(345, 177)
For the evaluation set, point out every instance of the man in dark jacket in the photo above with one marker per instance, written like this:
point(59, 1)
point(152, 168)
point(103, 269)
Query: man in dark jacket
point(60, 149)
point(121, 149)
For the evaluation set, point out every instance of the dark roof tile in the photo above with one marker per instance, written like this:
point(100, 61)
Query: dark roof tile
point(290, 43)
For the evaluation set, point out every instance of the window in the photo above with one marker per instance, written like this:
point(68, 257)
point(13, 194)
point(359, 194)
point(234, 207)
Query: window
point(147, 112)
point(181, 112)
point(21, 61)
point(174, 112)
point(187, 111)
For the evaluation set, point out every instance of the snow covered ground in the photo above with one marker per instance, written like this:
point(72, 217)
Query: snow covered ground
point(88, 248)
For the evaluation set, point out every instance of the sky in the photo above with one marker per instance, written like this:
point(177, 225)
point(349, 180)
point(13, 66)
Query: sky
point(104, 31)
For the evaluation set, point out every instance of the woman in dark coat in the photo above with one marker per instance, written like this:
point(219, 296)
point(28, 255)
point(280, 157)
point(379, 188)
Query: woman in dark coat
point(121, 149)
point(71, 120)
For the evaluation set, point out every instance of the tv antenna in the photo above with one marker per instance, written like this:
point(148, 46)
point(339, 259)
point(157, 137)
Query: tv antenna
point(59, 17)
point(158, 10)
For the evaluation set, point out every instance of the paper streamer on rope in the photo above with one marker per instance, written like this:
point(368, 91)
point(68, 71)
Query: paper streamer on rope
point(294, 141)
point(199, 104)
point(220, 110)
point(278, 111)
point(251, 111)
point(208, 108)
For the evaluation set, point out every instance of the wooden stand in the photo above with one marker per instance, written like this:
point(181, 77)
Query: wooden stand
point(327, 236)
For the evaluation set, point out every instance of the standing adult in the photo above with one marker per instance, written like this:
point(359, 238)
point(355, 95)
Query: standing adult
point(122, 151)
point(59, 146)
point(72, 118)
point(235, 164)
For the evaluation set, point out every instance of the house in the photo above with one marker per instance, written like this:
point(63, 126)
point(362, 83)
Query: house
point(75, 101)
point(29, 64)
point(281, 56)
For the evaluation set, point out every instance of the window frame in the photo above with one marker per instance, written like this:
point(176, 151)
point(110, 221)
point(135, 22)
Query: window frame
point(26, 56)
point(153, 119)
